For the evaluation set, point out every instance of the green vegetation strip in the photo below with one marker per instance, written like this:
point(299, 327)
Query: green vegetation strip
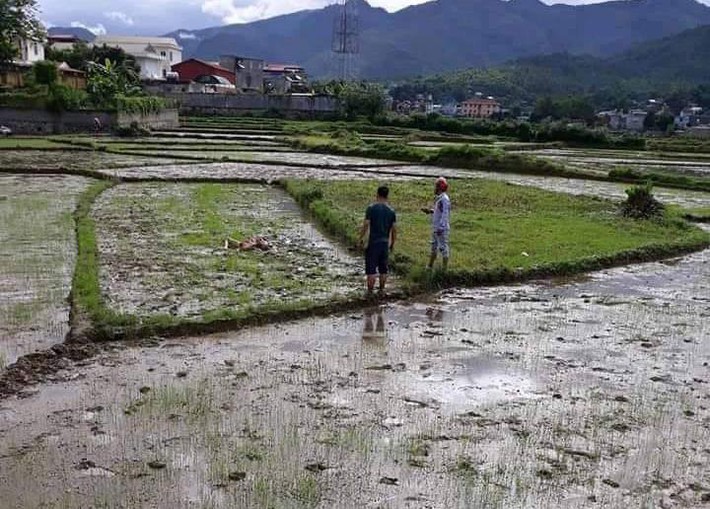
point(502, 232)
point(88, 310)
point(456, 156)
point(664, 179)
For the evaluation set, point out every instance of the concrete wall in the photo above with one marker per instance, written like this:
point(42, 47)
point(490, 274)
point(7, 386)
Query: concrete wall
point(233, 105)
point(25, 121)
point(166, 119)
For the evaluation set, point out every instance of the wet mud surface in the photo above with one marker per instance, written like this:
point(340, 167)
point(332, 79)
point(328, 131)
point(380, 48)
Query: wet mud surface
point(270, 173)
point(71, 160)
point(37, 254)
point(296, 158)
point(584, 393)
point(162, 251)
point(606, 160)
point(242, 171)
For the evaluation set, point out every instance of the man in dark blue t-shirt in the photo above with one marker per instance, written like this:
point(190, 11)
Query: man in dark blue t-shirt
point(381, 221)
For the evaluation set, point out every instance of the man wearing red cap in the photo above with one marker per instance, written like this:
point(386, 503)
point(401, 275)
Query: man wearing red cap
point(440, 223)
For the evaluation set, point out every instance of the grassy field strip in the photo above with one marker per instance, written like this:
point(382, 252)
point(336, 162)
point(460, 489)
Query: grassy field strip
point(501, 232)
point(38, 251)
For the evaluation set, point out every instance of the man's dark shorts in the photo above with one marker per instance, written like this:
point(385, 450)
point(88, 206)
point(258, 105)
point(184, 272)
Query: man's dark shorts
point(376, 258)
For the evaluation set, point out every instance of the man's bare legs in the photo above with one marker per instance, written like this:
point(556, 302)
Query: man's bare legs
point(372, 279)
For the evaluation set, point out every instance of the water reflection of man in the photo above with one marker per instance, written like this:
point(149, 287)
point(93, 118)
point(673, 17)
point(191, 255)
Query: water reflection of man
point(435, 315)
point(374, 331)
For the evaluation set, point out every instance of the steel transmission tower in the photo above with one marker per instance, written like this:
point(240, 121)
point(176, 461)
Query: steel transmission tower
point(346, 39)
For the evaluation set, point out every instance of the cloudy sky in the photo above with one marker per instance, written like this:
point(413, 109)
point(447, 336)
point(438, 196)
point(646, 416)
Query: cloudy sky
point(161, 16)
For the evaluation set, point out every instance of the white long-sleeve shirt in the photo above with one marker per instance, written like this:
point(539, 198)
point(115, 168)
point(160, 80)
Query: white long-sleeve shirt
point(442, 212)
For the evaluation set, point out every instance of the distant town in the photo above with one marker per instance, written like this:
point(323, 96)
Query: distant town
point(164, 72)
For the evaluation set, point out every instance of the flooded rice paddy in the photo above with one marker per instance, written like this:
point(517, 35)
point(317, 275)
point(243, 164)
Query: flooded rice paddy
point(36, 160)
point(586, 393)
point(606, 160)
point(589, 392)
point(37, 254)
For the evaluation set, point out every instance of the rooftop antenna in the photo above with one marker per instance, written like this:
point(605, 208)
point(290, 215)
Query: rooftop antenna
point(346, 38)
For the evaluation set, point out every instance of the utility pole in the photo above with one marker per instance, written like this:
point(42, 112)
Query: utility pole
point(346, 39)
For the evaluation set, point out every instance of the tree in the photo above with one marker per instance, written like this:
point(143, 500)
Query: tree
point(18, 21)
point(366, 99)
point(106, 82)
point(45, 73)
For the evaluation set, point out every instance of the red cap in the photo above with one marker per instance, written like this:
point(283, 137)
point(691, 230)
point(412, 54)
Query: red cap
point(442, 185)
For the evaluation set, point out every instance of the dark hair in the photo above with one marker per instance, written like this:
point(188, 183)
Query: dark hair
point(383, 192)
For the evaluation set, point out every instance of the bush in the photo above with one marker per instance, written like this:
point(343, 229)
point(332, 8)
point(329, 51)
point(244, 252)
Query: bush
point(135, 130)
point(641, 203)
point(45, 73)
point(140, 104)
point(62, 98)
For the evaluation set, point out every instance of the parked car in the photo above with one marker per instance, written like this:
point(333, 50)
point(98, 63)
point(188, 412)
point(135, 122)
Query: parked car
point(5, 131)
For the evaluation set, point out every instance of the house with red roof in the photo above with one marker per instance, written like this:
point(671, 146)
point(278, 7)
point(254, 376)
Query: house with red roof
point(194, 69)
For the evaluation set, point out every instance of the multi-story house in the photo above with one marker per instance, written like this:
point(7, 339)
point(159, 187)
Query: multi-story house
point(29, 51)
point(154, 55)
point(479, 107)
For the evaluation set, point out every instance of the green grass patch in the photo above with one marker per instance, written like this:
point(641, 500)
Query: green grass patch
point(501, 232)
point(679, 144)
point(698, 215)
point(663, 179)
point(22, 143)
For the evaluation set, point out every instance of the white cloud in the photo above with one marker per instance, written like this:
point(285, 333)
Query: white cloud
point(120, 16)
point(160, 16)
point(244, 11)
point(99, 29)
point(185, 36)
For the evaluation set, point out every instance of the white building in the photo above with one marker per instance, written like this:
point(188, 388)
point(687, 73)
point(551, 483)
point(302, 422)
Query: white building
point(30, 51)
point(154, 55)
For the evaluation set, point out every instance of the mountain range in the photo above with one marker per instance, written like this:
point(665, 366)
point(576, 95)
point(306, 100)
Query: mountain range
point(445, 35)
point(675, 66)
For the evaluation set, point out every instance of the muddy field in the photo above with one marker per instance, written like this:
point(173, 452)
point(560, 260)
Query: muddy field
point(271, 173)
point(246, 171)
point(295, 158)
point(162, 250)
point(33, 160)
point(589, 393)
point(607, 160)
point(582, 393)
point(37, 254)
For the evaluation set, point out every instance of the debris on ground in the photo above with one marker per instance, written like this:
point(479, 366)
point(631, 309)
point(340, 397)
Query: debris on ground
point(249, 244)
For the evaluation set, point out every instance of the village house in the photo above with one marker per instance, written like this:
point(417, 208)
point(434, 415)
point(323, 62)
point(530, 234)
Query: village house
point(154, 55)
point(479, 107)
point(284, 79)
point(63, 42)
point(689, 117)
point(29, 51)
point(617, 120)
point(195, 69)
point(248, 72)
